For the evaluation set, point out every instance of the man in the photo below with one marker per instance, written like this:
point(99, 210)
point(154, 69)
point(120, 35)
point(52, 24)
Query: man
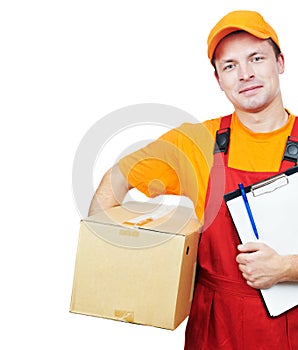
point(227, 310)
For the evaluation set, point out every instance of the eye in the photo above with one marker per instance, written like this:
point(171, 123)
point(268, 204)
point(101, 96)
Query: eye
point(228, 67)
point(257, 59)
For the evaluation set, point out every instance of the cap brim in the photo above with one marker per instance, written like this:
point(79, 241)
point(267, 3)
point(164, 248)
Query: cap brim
point(228, 30)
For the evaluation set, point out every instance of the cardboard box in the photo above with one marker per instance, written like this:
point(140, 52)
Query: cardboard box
point(137, 263)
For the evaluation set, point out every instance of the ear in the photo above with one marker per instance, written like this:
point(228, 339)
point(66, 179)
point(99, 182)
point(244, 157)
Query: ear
point(281, 63)
point(217, 79)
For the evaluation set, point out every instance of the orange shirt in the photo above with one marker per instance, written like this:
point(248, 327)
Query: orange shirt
point(179, 162)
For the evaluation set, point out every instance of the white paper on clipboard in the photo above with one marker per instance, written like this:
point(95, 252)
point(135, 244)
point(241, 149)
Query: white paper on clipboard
point(274, 204)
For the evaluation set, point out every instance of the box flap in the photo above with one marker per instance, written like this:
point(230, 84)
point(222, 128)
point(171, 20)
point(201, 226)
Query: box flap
point(150, 216)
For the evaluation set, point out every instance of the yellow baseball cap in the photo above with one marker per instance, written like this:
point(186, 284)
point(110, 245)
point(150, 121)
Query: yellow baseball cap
point(249, 21)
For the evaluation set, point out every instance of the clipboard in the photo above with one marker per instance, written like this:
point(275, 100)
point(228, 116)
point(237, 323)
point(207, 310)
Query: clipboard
point(274, 205)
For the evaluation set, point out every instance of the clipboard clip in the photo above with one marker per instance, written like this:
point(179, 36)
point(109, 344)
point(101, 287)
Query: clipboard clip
point(269, 185)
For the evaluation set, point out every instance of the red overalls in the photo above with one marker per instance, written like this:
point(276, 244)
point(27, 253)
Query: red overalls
point(226, 313)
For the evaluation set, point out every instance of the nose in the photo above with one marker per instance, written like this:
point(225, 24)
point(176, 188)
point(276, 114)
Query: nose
point(245, 72)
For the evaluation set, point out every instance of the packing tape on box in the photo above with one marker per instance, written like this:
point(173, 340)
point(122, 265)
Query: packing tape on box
point(122, 315)
point(148, 217)
point(129, 232)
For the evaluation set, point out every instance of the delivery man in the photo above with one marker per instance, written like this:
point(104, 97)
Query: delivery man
point(227, 311)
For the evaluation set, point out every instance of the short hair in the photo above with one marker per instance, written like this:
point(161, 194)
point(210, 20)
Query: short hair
point(275, 47)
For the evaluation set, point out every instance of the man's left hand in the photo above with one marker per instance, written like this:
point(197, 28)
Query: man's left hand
point(260, 265)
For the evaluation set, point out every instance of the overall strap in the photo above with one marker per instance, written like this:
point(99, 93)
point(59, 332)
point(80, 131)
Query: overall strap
point(290, 157)
point(222, 140)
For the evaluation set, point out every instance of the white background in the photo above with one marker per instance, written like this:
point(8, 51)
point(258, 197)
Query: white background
point(65, 64)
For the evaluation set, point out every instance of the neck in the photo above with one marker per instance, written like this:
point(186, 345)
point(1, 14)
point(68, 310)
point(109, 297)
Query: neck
point(269, 119)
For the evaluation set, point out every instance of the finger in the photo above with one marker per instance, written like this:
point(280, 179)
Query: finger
point(242, 268)
point(252, 284)
point(244, 258)
point(249, 247)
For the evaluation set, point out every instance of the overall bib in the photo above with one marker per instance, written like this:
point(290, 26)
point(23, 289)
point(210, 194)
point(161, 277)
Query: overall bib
point(226, 313)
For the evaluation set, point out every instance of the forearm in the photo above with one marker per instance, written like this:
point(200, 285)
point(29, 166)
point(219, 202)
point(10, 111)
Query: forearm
point(291, 268)
point(110, 192)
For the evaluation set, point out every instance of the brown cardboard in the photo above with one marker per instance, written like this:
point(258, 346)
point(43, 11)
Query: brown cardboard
point(141, 274)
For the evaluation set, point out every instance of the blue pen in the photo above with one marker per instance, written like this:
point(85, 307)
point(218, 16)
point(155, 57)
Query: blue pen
point(247, 206)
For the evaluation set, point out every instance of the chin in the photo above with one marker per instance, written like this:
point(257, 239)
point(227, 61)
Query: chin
point(254, 106)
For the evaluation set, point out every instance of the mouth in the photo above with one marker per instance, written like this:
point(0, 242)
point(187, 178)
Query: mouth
point(250, 89)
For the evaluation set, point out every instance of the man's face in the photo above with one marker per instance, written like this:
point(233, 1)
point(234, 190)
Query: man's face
point(248, 71)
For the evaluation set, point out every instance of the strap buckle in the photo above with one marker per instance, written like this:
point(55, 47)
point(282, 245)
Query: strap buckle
point(222, 140)
point(291, 150)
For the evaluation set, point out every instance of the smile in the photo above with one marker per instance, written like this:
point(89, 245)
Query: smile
point(250, 89)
